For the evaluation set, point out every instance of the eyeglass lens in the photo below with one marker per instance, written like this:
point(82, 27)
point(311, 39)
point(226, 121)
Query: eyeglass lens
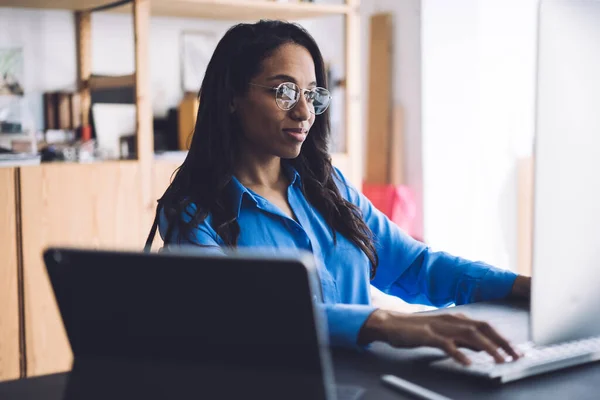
point(288, 94)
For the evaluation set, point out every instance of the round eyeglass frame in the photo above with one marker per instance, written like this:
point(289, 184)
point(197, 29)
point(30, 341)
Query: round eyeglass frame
point(277, 88)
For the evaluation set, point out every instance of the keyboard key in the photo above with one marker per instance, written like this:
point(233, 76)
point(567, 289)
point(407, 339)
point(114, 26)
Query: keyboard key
point(535, 360)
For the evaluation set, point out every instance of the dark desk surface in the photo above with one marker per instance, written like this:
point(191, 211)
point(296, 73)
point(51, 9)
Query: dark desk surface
point(365, 369)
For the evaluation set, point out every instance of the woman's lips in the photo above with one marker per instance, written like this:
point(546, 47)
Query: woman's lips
point(296, 134)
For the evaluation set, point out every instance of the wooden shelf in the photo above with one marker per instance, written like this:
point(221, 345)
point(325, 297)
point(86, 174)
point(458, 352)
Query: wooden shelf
point(243, 9)
point(108, 82)
point(74, 5)
point(238, 10)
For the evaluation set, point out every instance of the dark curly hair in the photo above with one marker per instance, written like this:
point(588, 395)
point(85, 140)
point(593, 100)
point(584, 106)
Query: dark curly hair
point(203, 177)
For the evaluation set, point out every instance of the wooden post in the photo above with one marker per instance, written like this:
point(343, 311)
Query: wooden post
point(145, 133)
point(525, 178)
point(83, 37)
point(10, 336)
point(397, 147)
point(380, 99)
point(353, 110)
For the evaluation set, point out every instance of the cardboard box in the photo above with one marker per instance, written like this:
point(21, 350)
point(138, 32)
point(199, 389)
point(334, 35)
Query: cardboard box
point(188, 109)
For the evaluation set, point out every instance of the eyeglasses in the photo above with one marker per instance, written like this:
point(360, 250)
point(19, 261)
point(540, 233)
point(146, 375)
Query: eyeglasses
point(287, 95)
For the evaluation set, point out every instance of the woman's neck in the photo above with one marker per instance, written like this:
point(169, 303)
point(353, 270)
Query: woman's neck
point(267, 173)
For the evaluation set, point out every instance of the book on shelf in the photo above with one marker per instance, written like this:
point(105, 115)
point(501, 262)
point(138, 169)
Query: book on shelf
point(110, 81)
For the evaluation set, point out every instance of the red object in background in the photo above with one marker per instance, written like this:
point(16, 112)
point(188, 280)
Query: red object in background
point(86, 133)
point(395, 201)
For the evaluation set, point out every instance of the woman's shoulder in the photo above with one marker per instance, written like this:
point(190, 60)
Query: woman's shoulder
point(347, 190)
point(172, 218)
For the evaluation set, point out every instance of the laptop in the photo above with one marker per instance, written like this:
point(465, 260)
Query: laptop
point(190, 325)
point(565, 329)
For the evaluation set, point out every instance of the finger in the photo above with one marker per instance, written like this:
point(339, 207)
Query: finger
point(471, 336)
point(450, 348)
point(452, 317)
point(491, 333)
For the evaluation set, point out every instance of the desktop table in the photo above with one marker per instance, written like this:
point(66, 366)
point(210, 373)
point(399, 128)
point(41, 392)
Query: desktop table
point(365, 369)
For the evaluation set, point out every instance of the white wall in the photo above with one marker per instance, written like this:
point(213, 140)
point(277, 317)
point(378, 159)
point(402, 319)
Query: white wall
point(48, 40)
point(478, 86)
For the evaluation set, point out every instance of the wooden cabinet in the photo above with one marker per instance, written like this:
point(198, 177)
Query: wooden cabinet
point(93, 205)
point(9, 283)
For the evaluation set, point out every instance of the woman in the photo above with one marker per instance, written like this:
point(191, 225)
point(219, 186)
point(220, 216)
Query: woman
point(258, 174)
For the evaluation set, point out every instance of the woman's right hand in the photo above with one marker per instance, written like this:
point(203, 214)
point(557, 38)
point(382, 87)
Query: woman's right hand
point(447, 332)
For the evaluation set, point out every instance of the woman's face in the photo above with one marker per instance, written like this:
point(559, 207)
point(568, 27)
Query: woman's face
point(269, 131)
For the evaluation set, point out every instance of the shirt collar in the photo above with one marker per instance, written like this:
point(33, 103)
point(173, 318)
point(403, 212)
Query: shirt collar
point(292, 174)
point(239, 191)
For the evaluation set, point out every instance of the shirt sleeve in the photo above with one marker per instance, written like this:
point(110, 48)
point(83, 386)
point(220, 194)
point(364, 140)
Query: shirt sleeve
point(412, 271)
point(203, 236)
point(344, 322)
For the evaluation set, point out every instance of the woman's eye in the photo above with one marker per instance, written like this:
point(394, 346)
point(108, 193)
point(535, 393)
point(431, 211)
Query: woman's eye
point(310, 96)
point(289, 93)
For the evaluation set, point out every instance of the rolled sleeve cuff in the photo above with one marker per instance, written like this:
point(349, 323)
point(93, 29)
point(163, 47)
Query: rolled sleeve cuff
point(345, 321)
point(495, 284)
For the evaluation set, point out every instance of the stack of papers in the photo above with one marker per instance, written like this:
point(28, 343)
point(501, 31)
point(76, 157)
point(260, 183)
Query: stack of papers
point(18, 159)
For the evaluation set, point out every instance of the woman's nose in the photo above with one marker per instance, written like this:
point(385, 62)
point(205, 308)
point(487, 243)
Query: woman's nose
point(301, 111)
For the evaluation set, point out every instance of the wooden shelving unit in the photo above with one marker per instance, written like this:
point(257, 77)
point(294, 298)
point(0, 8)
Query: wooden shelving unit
point(234, 10)
point(112, 203)
point(238, 10)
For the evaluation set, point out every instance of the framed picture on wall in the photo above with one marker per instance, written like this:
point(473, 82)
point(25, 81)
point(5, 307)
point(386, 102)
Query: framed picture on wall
point(196, 49)
point(11, 89)
point(11, 71)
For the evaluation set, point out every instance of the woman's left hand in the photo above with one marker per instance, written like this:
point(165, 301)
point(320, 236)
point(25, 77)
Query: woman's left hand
point(521, 288)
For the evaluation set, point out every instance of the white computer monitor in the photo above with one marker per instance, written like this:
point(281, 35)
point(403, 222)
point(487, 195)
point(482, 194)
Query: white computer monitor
point(566, 228)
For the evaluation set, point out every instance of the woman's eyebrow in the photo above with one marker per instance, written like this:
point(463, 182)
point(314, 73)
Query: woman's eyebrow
point(287, 78)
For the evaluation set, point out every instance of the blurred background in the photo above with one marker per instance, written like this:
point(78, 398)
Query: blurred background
point(432, 117)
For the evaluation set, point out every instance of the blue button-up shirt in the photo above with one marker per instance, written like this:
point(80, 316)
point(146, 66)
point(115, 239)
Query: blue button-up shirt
point(407, 268)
